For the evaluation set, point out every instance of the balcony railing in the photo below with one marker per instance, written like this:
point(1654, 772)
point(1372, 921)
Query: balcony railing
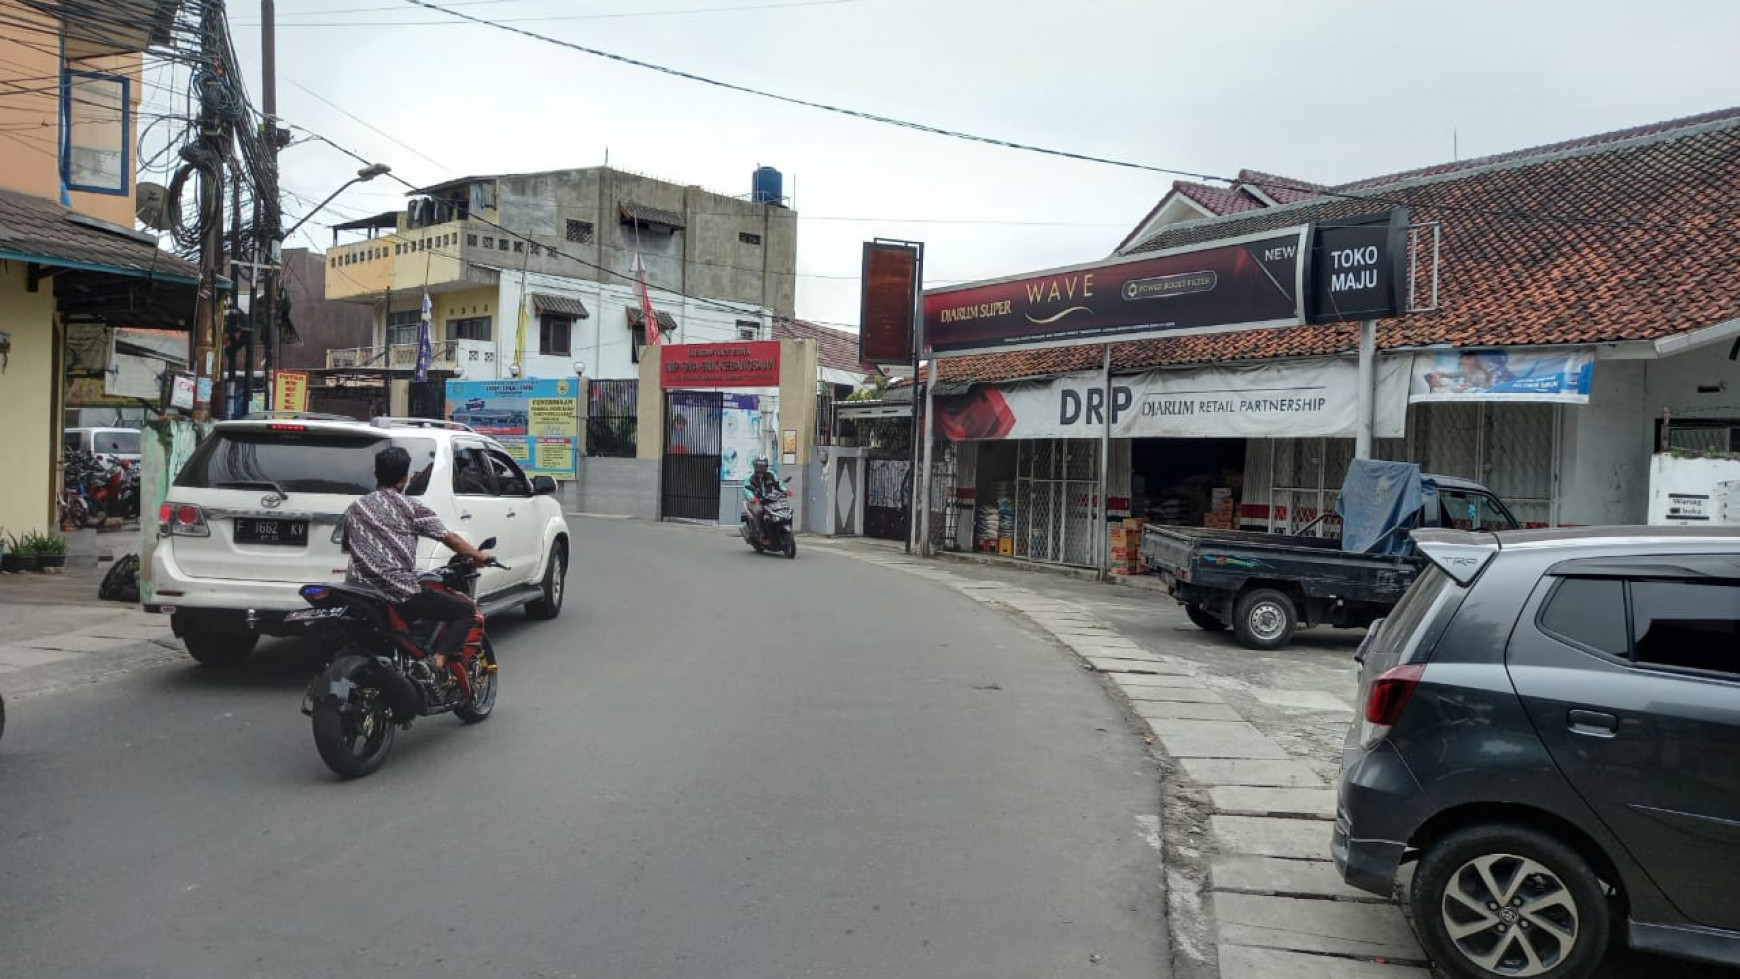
point(475, 357)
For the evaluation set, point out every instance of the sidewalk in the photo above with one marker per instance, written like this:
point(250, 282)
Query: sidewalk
point(1250, 743)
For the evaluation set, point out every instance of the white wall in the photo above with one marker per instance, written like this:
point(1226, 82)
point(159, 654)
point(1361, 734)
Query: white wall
point(602, 340)
point(1604, 449)
point(1673, 382)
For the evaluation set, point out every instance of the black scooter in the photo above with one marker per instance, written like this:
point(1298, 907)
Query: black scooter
point(773, 531)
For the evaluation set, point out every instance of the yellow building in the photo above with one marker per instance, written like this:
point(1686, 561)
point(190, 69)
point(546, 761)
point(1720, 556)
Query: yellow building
point(70, 81)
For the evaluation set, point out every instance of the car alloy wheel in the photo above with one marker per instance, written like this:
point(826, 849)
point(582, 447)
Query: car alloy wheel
point(1510, 915)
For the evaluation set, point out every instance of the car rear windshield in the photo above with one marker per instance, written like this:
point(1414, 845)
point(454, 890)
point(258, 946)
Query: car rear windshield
point(1399, 640)
point(300, 462)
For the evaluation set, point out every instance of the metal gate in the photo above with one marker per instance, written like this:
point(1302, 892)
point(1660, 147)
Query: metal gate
point(428, 399)
point(689, 486)
point(1512, 448)
point(1057, 505)
point(888, 496)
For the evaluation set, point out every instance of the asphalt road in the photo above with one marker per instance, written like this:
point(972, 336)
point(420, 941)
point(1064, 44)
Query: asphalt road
point(713, 765)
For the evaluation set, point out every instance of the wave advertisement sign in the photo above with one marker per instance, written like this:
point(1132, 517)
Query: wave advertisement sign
point(1238, 284)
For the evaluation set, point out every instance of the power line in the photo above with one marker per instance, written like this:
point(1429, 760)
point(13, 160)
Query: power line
point(776, 4)
point(1508, 213)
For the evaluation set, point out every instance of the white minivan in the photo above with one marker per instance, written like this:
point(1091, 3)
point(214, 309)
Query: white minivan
point(256, 513)
point(120, 443)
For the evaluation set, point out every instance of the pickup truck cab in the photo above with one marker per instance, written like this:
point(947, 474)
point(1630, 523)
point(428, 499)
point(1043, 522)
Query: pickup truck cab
point(1267, 586)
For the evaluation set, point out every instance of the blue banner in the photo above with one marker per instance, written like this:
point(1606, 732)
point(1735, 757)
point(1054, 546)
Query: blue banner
point(537, 420)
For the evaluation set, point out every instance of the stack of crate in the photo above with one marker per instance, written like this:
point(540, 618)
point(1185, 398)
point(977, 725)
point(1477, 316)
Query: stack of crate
point(1126, 543)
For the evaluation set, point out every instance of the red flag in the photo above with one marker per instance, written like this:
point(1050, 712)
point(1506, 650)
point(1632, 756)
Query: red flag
point(649, 320)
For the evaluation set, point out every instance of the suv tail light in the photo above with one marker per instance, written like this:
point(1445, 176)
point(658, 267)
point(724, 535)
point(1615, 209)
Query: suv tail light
point(181, 520)
point(1389, 698)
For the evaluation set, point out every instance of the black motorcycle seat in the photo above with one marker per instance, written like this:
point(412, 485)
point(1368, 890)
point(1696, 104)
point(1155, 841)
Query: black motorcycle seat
point(364, 592)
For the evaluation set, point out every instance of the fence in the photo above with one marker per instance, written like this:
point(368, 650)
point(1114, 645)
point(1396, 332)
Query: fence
point(612, 419)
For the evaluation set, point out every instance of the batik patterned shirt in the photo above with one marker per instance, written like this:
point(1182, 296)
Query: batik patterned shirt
point(380, 535)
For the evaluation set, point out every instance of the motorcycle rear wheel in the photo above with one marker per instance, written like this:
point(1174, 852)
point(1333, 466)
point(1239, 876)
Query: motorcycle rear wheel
point(355, 745)
point(94, 517)
point(483, 688)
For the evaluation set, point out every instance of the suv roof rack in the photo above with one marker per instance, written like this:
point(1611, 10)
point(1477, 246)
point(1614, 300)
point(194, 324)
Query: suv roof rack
point(275, 415)
point(386, 421)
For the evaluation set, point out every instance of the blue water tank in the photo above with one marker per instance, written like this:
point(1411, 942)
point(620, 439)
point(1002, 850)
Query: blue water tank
point(767, 186)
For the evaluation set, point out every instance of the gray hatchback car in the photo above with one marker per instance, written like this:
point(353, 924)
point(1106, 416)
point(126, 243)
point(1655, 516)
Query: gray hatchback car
point(1551, 731)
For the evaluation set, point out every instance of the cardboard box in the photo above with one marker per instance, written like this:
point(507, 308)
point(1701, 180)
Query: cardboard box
point(1119, 536)
point(1135, 523)
point(1125, 554)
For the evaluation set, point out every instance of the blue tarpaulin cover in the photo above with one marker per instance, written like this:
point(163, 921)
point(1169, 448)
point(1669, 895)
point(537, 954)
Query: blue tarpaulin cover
point(1376, 498)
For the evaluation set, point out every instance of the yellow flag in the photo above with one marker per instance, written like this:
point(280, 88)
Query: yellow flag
point(520, 339)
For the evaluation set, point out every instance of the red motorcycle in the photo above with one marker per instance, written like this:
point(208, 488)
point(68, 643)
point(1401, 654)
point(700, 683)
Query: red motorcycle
point(386, 676)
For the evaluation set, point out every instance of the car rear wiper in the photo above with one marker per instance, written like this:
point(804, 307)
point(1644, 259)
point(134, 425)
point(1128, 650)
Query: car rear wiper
point(265, 484)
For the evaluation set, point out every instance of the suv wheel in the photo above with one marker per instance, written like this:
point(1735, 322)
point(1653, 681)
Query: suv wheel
point(1264, 618)
point(220, 648)
point(1508, 900)
point(555, 580)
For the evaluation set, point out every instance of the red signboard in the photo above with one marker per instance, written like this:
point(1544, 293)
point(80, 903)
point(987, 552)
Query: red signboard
point(738, 364)
point(1235, 284)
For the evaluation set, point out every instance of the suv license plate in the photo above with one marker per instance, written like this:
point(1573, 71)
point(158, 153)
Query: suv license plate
point(259, 530)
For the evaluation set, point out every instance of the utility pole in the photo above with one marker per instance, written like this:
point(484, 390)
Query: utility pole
point(269, 231)
point(208, 386)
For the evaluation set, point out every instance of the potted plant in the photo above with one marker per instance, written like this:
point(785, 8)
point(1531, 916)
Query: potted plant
point(50, 551)
point(18, 557)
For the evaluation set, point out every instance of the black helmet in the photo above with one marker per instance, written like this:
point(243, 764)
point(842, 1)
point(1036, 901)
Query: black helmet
point(761, 464)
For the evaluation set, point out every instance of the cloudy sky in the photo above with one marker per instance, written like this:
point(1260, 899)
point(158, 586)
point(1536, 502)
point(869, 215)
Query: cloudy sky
point(1328, 90)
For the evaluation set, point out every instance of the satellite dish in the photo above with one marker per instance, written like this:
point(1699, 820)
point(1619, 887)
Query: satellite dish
point(151, 208)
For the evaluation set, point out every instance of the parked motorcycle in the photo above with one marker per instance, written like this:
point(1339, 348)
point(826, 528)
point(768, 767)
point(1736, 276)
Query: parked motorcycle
point(385, 676)
point(772, 532)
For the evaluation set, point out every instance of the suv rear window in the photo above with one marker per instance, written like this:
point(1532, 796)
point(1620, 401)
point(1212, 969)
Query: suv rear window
point(1397, 641)
point(300, 462)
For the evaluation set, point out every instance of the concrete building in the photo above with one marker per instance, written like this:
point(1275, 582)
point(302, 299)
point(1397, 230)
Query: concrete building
point(68, 253)
point(562, 246)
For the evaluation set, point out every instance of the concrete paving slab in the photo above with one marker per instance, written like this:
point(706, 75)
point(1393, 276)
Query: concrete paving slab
point(15, 656)
point(1142, 695)
point(1273, 836)
point(1250, 800)
point(1310, 925)
point(1216, 739)
point(1109, 664)
point(1304, 699)
point(1288, 878)
point(1244, 962)
point(1171, 673)
point(1239, 771)
point(1164, 710)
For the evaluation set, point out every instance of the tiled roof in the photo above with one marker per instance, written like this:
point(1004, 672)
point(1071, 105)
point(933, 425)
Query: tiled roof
point(1218, 200)
point(837, 349)
point(1645, 244)
point(633, 212)
point(1282, 190)
point(667, 322)
point(543, 302)
point(54, 235)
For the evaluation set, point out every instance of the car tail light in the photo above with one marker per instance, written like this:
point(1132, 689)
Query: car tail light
point(1390, 694)
point(285, 427)
point(181, 520)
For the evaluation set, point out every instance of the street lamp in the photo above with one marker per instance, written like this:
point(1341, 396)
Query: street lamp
point(363, 176)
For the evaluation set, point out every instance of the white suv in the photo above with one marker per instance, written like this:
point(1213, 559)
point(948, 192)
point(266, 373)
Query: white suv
point(257, 512)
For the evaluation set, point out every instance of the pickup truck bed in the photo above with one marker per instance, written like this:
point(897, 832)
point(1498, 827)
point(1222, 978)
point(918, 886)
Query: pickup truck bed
point(1267, 585)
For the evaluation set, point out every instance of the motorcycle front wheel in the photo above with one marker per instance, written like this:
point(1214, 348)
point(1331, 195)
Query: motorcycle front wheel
point(483, 687)
point(790, 544)
point(354, 743)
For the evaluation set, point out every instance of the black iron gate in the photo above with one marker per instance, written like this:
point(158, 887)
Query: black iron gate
point(690, 484)
point(888, 496)
point(428, 399)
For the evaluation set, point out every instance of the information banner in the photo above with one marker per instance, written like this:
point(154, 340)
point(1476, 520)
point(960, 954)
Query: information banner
point(1502, 375)
point(535, 419)
point(290, 391)
point(740, 436)
point(1300, 399)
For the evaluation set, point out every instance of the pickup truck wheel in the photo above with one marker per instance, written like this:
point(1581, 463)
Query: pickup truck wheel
point(220, 648)
point(1264, 619)
point(1203, 618)
point(555, 581)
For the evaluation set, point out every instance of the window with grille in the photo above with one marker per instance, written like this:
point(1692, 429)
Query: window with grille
point(468, 328)
point(404, 326)
point(580, 232)
point(555, 334)
point(748, 330)
point(471, 240)
point(748, 239)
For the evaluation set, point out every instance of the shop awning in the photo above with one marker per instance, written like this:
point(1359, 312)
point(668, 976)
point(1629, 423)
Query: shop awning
point(543, 302)
point(646, 215)
point(667, 322)
point(100, 270)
